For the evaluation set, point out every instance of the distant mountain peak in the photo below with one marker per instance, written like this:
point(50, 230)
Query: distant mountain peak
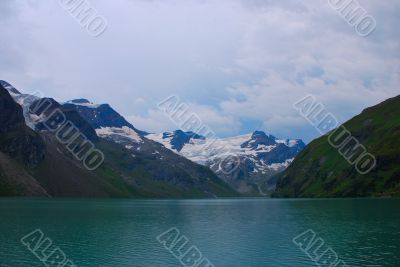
point(100, 115)
point(259, 138)
point(258, 133)
point(262, 135)
point(80, 101)
point(83, 102)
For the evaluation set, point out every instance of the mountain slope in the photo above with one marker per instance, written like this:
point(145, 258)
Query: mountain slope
point(16, 181)
point(16, 139)
point(258, 155)
point(20, 148)
point(320, 171)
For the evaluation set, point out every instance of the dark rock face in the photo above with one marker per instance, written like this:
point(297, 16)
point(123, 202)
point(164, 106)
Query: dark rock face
point(280, 153)
point(80, 101)
point(181, 138)
point(44, 106)
point(259, 138)
point(83, 126)
point(11, 116)
point(99, 115)
point(16, 139)
point(47, 107)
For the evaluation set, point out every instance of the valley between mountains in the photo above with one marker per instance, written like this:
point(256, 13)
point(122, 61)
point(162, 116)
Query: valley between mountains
point(177, 164)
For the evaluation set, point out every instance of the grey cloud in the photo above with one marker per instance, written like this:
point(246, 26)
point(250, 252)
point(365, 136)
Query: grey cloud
point(240, 59)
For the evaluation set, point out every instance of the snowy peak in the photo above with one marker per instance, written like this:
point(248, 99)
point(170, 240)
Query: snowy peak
point(9, 87)
point(99, 116)
point(258, 139)
point(24, 100)
point(108, 123)
point(261, 155)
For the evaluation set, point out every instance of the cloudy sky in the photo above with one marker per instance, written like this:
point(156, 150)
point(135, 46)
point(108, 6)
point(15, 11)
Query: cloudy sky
point(239, 64)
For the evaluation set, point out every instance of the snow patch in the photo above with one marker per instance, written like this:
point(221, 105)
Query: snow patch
point(278, 166)
point(25, 101)
point(124, 131)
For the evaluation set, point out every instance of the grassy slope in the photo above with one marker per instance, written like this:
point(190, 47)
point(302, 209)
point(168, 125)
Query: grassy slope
point(121, 175)
point(60, 175)
point(157, 178)
point(320, 171)
point(16, 181)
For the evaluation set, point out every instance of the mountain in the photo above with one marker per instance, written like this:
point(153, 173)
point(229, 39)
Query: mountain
point(16, 139)
point(321, 170)
point(259, 156)
point(9, 87)
point(19, 147)
point(34, 161)
point(160, 162)
point(100, 116)
point(69, 112)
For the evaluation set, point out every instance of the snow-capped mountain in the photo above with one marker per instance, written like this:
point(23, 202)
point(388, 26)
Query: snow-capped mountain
point(133, 165)
point(259, 155)
point(24, 100)
point(100, 115)
point(108, 123)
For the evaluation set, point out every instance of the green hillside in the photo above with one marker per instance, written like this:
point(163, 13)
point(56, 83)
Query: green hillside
point(321, 171)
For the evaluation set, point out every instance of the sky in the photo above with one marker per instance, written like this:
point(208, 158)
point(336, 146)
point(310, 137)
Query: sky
point(240, 65)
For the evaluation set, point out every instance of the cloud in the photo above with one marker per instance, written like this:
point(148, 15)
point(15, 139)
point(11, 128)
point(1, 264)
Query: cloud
point(239, 63)
point(152, 122)
point(300, 50)
point(211, 118)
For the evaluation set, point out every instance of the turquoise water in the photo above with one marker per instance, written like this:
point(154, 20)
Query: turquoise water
point(229, 232)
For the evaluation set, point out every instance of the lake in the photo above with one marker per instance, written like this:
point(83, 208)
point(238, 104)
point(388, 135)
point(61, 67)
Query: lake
point(227, 232)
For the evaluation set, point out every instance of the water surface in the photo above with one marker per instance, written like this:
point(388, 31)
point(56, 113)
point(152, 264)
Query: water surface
point(229, 232)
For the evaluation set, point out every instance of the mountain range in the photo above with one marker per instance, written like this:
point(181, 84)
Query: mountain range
point(258, 156)
point(33, 161)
